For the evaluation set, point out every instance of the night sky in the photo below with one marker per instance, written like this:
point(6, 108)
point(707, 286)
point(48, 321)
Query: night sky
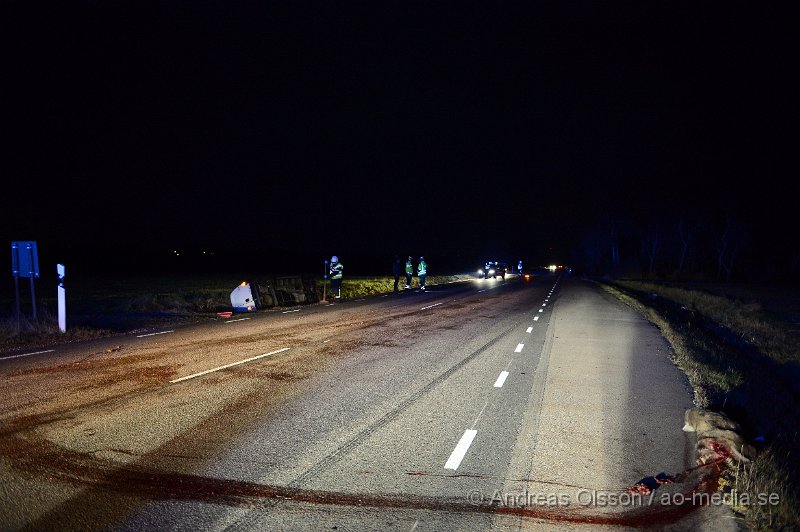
point(272, 134)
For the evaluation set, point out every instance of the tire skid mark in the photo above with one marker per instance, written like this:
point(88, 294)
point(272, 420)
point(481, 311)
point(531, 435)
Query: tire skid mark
point(60, 464)
point(32, 459)
point(339, 453)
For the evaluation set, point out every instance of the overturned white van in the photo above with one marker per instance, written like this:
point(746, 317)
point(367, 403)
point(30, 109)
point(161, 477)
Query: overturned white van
point(242, 298)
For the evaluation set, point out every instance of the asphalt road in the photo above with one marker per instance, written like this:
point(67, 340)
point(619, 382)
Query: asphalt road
point(477, 405)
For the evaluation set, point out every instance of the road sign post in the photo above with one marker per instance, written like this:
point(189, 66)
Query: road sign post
point(16, 289)
point(24, 263)
point(30, 276)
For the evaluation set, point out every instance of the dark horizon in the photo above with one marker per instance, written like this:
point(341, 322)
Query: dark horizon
point(276, 134)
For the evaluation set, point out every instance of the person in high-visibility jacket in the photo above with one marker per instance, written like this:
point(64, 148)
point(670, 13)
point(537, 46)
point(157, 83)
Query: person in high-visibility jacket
point(422, 272)
point(409, 272)
point(336, 276)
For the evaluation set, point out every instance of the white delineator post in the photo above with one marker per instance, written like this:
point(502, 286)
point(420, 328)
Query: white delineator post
point(62, 299)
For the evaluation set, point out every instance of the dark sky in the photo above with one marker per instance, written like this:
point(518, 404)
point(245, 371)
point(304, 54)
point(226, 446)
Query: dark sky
point(454, 130)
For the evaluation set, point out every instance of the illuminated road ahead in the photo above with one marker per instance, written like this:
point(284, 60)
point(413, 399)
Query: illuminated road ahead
point(476, 405)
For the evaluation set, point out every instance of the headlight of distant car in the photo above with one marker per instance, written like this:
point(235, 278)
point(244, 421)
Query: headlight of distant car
point(491, 272)
point(480, 272)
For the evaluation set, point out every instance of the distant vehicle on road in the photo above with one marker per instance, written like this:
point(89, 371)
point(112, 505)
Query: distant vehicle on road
point(493, 270)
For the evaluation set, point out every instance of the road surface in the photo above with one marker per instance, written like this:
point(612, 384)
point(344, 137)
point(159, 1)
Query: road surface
point(479, 405)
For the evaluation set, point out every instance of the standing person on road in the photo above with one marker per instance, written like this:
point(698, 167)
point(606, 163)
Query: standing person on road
point(396, 267)
point(422, 272)
point(409, 272)
point(336, 276)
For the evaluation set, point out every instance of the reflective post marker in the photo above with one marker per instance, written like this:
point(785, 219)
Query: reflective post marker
point(62, 299)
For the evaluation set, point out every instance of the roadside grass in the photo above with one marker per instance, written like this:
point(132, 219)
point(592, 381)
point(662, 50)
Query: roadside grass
point(778, 301)
point(174, 293)
point(43, 330)
point(748, 319)
point(768, 474)
point(357, 287)
point(102, 305)
point(137, 300)
point(723, 378)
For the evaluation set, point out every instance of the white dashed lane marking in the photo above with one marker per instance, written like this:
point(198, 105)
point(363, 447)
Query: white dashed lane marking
point(519, 348)
point(206, 372)
point(528, 330)
point(501, 379)
point(28, 354)
point(234, 321)
point(288, 311)
point(154, 334)
point(536, 318)
point(430, 306)
point(461, 449)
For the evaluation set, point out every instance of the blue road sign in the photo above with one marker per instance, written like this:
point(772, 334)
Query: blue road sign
point(24, 259)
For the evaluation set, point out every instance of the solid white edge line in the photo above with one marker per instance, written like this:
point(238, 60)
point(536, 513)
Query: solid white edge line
point(501, 379)
point(536, 318)
point(519, 348)
point(240, 319)
point(153, 334)
point(228, 365)
point(431, 306)
point(528, 330)
point(28, 354)
point(461, 449)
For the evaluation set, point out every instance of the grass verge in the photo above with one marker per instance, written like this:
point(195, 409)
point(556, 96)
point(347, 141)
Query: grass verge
point(356, 287)
point(772, 336)
point(744, 368)
point(100, 306)
point(43, 331)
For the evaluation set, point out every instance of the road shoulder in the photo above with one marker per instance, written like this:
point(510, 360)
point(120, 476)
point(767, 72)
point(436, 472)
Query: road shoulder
point(610, 411)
